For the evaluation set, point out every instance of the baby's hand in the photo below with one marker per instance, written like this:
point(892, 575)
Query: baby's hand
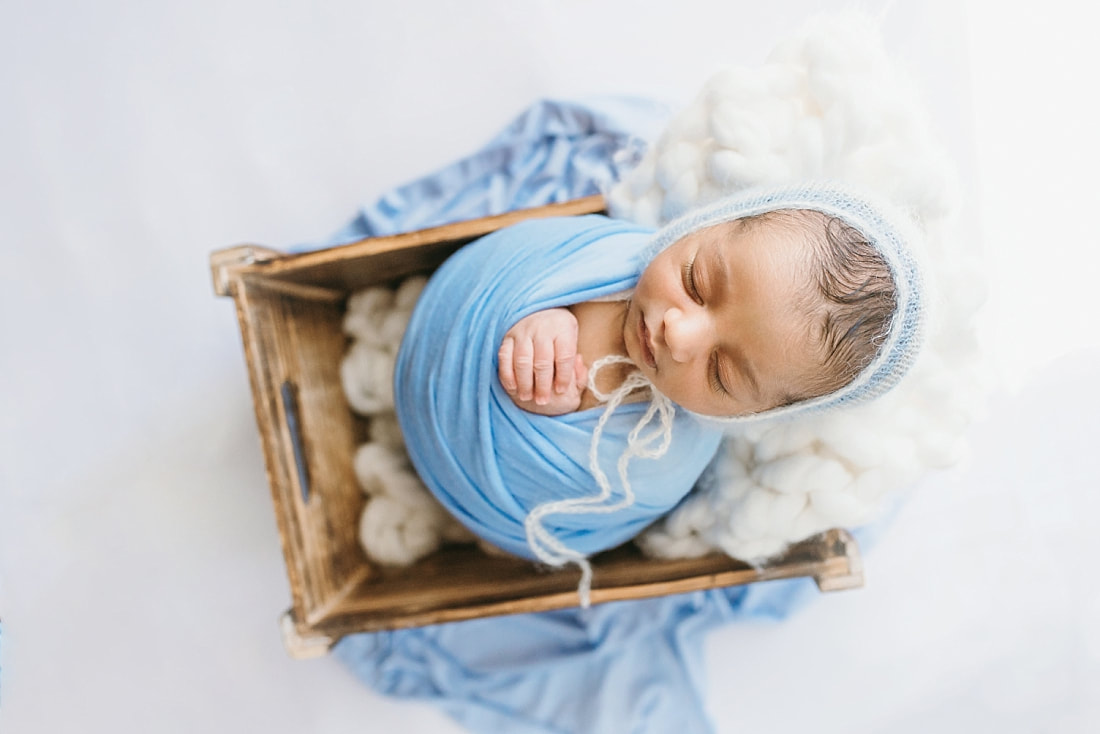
point(539, 366)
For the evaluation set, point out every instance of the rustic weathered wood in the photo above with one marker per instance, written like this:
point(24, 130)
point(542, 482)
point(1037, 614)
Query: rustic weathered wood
point(290, 309)
point(299, 341)
point(836, 544)
point(223, 263)
point(301, 643)
point(384, 259)
point(461, 583)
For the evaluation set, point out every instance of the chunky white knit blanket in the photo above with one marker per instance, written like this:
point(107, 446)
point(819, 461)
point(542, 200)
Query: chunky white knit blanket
point(828, 104)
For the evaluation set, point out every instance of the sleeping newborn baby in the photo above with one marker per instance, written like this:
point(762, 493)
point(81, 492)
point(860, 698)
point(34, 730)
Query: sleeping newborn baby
point(737, 318)
point(549, 356)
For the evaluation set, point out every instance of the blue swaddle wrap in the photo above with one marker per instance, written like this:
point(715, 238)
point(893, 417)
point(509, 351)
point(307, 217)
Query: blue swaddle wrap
point(490, 462)
point(632, 666)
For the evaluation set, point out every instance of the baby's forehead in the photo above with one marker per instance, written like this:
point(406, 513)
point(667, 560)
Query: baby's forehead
point(789, 220)
point(810, 237)
point(792, 239)
point(798, 234)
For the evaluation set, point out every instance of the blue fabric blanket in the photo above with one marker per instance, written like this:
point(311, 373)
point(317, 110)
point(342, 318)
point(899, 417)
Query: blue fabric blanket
point(612, 669)
point(490, 462)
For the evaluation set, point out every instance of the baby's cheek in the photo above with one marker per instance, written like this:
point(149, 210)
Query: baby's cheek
point(646, 279)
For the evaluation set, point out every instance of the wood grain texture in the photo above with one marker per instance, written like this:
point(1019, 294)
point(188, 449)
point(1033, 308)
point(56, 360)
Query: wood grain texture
point(387, 259)
point(293, 339)
point(461, 583)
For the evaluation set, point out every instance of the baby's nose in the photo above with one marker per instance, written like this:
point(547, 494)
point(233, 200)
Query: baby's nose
point(684, 334)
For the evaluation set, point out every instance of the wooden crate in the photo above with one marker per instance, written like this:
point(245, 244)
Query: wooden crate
point(290, 309)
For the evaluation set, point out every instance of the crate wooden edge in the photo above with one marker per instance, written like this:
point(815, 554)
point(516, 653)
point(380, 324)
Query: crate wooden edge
point(835, 564)
point(239, 261)
point(271, 426)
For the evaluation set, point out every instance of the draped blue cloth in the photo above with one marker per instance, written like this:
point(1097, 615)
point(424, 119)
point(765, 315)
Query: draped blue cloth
point(632, 667)
point(553, 151)
point(620, 668)
point(490, 462)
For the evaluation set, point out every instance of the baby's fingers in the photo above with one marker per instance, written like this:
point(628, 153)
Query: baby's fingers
point(565, 359)
point(522, 359)
point(580, 373)
point(505, 370)
point(543, 367)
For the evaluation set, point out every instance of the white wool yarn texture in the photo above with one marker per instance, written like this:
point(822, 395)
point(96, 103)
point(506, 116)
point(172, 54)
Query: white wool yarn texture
point(829, 104)
point(401, 522)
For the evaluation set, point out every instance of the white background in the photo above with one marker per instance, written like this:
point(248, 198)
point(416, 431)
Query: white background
point(141, 576)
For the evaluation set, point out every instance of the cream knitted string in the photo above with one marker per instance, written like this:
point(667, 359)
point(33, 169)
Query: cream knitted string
point(542, 542)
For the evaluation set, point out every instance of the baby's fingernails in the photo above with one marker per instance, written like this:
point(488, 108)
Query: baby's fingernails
point(559, 389)
point(541, 401)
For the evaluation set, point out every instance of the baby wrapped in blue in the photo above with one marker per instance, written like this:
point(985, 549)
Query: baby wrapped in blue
point(491, 462)
point(766, 304)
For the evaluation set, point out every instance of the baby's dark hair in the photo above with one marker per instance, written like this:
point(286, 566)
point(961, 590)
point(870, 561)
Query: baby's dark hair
point(857, 297)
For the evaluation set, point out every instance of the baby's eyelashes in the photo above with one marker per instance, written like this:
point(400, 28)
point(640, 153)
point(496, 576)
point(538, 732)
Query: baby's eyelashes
point(714, 372)
point(687, 275)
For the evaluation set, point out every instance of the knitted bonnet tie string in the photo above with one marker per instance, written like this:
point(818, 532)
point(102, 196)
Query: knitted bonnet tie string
point(542, 542)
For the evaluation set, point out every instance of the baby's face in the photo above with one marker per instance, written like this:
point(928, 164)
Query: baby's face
point(719, 321)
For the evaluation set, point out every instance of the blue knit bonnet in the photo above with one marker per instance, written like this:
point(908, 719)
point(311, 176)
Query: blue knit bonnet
point(885, 228)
